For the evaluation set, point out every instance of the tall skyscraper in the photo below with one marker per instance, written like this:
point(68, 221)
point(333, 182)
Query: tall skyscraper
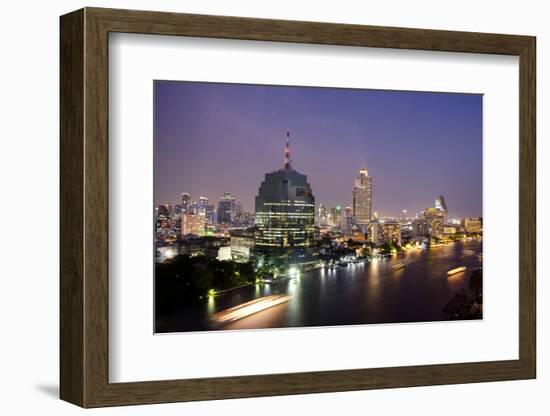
point(227, 208)
point(322, 215)
point(285, 208)
point(185, 201)
point(203, 202)
point(362, 198)
point(441, 206)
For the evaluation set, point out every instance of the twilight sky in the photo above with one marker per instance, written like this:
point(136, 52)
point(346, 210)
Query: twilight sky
point(212, 138)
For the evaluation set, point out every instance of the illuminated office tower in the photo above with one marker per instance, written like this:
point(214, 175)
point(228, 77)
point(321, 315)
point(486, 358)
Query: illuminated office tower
point(362, 198)
point(227, 209)
point(203, 202)
point(205, 209)
point(381, 232)
point(433, 219)
point(285, 208)
point(185, 201)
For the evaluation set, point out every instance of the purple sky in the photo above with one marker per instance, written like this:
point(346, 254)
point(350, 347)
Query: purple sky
point(212, 138)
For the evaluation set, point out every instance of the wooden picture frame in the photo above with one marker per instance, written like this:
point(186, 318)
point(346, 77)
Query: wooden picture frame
point(84, 207)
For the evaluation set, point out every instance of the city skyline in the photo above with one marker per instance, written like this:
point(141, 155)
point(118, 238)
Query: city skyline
point(239, 130)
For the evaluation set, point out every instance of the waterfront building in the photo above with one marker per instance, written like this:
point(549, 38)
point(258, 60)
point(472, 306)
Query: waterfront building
point(381, 232)
point(284, 208)
point(473, 225)
point(362, 198)
point(192, 224)
point(418, 228)
point(449, 229)
point(390, 232)
point(433, 222)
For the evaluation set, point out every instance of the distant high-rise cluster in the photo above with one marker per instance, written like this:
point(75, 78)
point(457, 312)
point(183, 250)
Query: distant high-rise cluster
point(192, 218)
point(286, 217)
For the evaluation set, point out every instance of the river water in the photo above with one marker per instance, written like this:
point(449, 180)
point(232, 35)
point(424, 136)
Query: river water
point(362, 293)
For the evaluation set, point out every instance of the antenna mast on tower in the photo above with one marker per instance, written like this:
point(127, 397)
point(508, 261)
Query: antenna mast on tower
point(287, 151)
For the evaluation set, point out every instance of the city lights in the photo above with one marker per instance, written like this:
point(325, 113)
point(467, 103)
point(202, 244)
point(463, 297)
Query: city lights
point(257, 226)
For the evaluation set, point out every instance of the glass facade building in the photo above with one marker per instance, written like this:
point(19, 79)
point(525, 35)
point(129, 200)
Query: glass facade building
point(362, 198)
point(285, 210)
point(227, 209)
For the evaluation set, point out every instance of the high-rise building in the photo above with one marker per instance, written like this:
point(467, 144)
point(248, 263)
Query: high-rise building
point(384, 232)
point(193, 208)
point(440, 205)
point(322, 215)
point(192, 224)
point(347, 221)
point(336, 215)
point(209, 213)
point(285, 208)
point(419, 228)
point(227, 209)
point(203, 202)
point(433, 219)
point(162, 217)
point(362, 198)
point(185, 201)
point(205, 209)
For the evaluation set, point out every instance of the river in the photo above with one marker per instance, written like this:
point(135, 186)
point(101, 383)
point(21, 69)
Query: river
point(361, 293)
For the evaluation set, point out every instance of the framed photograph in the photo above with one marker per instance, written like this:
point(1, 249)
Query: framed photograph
point(255, 207)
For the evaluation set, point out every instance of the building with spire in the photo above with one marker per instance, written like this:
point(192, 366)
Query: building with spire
point(362, 198)
point(284, 208)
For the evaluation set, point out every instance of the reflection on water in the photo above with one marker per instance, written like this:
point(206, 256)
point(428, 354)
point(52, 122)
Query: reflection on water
point(381, 291)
